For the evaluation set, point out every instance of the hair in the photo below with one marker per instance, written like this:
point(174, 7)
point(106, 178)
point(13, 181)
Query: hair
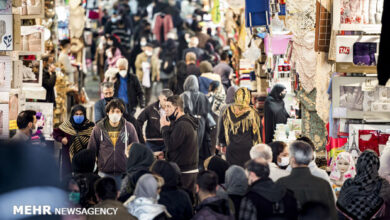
point(301, 152)
point(308, 141)
point(115, 103)
point(191, 56)
point(314, 210)
point(205, 67)
point(105, 188)
point(261, 151)
point(107, 85)
point(224, 55)
point(176, 101)
point(277, 147)
point(207, 181)
point(260, 169)
point(122, 62)
point(24, 118)
point(166, 92)
point(194, 40)
point(64, 43)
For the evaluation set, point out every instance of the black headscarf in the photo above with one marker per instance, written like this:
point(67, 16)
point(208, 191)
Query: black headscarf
point(140, 157)
point(85, 124)
point(274, 111)
point(84, 161)
point(219, 166)
point(167, 171)
point(360, 196)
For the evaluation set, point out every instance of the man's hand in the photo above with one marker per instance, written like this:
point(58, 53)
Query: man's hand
point(164, 122)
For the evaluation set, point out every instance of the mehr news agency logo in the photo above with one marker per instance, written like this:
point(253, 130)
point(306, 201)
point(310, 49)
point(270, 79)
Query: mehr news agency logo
point(47, 210)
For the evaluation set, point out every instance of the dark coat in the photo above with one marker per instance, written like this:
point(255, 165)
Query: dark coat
point(134, 91)
point(213, 208)
point(384, 46)
point(308, 188)
point(151, 114)
point(180, 139)
point(192, 69)
point(274, 112)
point(48, 82)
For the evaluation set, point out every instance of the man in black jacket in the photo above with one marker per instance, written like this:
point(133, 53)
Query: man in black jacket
point(49, 79)
point(152, 115)
point(265, 199)
point(180, 139)
point(128, 88)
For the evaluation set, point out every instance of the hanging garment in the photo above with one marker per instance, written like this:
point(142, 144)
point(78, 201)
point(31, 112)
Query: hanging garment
point(322, 81)
point(384, 47)
point(163, 24)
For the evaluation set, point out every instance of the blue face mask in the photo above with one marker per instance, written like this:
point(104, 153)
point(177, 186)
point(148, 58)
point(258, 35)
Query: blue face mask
point(78, 119)
point(74, 197)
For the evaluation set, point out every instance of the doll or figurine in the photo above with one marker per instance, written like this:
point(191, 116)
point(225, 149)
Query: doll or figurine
point(343, 168)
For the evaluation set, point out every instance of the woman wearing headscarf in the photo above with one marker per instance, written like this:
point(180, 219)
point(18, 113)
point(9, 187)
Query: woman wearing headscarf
point(274, 111)
point(236, 185)
point(197, 105)
point(365, 195)
point(219, 166)
point(74, 135)
point(240, 128)
point(168, 57)
point(172, 196)
point(113, 52)
point(143, 204)
point(140, 158)
point(176, 82)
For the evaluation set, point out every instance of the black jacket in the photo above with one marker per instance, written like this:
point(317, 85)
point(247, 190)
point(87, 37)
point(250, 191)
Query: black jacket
point(180, 139)
point(384, 46)
point(213, 208)
point(151, 114)
point(48, 82)
point(134, 91)
point(274, 112)
point(271, 201)
point(192, 69)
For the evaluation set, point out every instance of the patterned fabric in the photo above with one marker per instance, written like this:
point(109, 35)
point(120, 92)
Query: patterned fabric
point(312, 125)
point(360, 196)
point(79, 139)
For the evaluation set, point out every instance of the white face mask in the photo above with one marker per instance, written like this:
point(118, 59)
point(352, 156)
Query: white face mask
point(284, 161)
point(115, 117)
point(123, 73)
point(148, 53)
point(143, 43)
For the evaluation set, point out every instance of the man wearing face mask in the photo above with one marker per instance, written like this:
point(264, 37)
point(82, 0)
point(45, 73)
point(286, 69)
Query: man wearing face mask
point(180, 139)
point(120, 26)
point(110, 139)
point(147, 69)
point(274, 111)
point(26, 122)
point(128, 88)
point(108, 93)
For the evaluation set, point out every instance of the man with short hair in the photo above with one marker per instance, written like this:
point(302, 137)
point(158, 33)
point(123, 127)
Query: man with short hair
point(64, 60)
point(152, 115)
point(265, 199)
point(110, 138)
point(100, 106)
point(192, 69)
point(224, 70)
point(306, 187)
point(180, 139)
point(264, 152)
point(193, 47)
point(211, 206)
point(26, 122)
point(128, 88)
point(107, 194)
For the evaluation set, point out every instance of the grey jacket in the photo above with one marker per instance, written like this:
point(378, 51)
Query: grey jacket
point(112, 160)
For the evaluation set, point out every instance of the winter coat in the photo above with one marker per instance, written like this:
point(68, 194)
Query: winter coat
point(48, 82)
point(112, 159)
point(155, 66)
point(213, 208)
point(151, 114)
point(134, 91)
point(180, 139)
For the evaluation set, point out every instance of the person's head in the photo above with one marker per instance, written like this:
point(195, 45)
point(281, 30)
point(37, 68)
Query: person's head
point(368, 164)
point(206, 184)
point(105, 188)
point(205, 67)
point(218, 165)
point(278, 92)
point(256, 170)
point(84, 161)
point(139, 157)
point(242, 97)
point(47, 61)
point(308, 141)
point(174, 105)
point(301, 154)
point(27, 121)
point(65, 45)
point(261, 151)
point(169, 171)
point(148, 49)
point(148, 186)
point(280, 153)
point(78, 114)
point(225, 56)
point(108, 91)
point(314, 210)
point(230, 94)
point(190, 58)
point(122, 64)
point(343, 167)
point(191, 84)
point(236, 181)
point(181, 68)
point(115, 109)
point(164, 94)
point(194, 42)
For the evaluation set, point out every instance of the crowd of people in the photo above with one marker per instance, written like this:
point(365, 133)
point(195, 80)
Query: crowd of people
point(196, 149)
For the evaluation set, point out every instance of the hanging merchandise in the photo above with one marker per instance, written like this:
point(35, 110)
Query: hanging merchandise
point(257, 13)
point(276, 44)
point(76, 19)
point(215, 12)
point(384, 47)
point(301, 16)
point(163, 24)
point(252, 53)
